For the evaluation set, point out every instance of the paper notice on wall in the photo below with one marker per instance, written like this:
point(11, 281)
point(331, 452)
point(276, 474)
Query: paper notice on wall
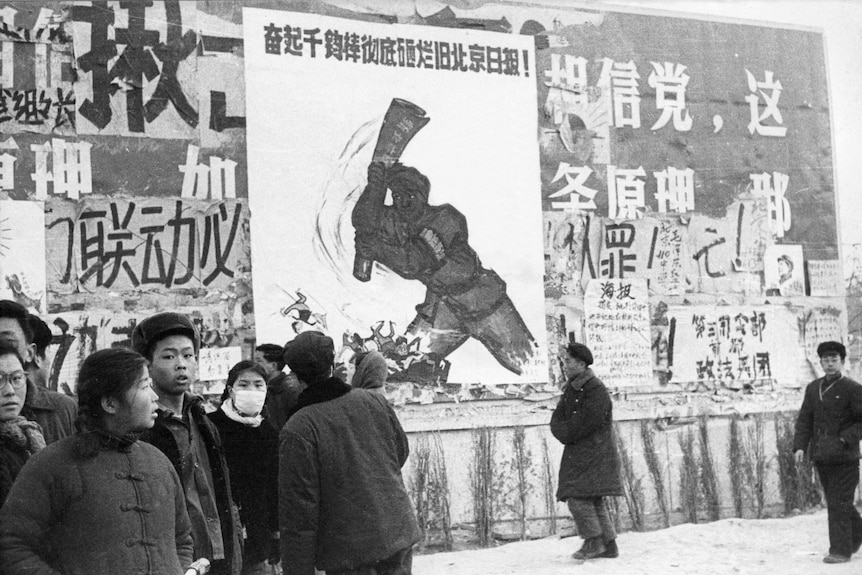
point(22, 254)
point(824, 277)
point(215, 362)
point(819, 325)
point(736, 346)
point(783, 271)
point(618, 331)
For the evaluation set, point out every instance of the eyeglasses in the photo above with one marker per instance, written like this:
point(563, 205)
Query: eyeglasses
point(18, 379)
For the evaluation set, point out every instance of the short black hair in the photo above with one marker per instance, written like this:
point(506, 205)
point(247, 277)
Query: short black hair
point(272, 352)
point(832, 347)
point(16, 311)
point(42, 335)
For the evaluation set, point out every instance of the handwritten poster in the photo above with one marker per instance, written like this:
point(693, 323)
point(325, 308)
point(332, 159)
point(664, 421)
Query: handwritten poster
point(735, 346)
point(618, 331)
point(215, 362)
point(824, 277)
point(816, 326)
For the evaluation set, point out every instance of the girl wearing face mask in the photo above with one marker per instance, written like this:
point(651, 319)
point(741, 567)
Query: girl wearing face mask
point(251, 450)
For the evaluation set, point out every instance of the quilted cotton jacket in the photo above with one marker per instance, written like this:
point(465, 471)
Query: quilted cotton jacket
point(122, 511)
point(583, 422)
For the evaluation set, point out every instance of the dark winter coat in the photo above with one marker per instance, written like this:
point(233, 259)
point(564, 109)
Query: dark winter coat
point(342, 501)
point(252, 458)
point(282, 392)
point(12, 459)
point(228, 513)
point(121, 511)
point(583, 422)
point(54, 412)
point(829, 428)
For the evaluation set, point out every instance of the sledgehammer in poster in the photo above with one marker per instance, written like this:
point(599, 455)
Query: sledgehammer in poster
point(433, 257)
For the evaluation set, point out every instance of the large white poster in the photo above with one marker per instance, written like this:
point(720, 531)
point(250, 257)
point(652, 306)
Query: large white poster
point(395, 194)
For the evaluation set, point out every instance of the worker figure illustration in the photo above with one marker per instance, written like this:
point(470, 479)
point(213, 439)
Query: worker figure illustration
point(429, 243)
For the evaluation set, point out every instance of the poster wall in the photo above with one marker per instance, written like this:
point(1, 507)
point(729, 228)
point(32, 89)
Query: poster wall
point(404, 216)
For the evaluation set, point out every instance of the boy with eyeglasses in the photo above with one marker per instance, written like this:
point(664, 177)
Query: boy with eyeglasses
point(54, 412)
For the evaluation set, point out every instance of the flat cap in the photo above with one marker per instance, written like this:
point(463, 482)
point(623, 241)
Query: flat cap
point(581, 352)
point(310, 356)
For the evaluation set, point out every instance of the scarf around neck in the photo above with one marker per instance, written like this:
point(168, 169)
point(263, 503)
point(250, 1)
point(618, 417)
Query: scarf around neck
point(229, 410)
point(23, 433)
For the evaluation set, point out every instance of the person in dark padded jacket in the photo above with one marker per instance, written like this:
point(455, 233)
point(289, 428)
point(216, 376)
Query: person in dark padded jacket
point(828, 428)
point(590, 468)
point(342, 503)
point(100, 501)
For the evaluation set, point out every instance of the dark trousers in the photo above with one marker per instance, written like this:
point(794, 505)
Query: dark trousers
point(400, 563)
point(839, 486)
point(592, 517)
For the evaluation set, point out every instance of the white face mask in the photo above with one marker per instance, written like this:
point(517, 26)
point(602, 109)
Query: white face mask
point(248, 402)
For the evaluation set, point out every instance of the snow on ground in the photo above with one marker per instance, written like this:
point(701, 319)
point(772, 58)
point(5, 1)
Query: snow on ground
point(793, 545)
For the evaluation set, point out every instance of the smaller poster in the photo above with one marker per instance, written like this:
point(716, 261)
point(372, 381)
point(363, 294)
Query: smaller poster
point(783, 270)
point(215, 362)
point(618, 331)
point(824, 277)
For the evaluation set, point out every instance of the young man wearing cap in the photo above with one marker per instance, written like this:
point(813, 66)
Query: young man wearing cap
point(54, 412)
point(828, 428)
point(171, 342)
point(342, 503)
point(590, 467)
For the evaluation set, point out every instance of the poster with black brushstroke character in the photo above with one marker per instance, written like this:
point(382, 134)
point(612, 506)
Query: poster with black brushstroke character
point(394, 184)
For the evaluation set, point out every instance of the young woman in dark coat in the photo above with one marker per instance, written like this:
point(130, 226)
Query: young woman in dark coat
point(251, 450)
point(100, 501)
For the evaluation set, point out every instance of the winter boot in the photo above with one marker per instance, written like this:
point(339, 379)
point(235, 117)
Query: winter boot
point(611, 550)
point(835, 558)
point(592, 548)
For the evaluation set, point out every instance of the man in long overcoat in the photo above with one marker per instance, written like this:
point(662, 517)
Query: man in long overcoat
point(590, 468)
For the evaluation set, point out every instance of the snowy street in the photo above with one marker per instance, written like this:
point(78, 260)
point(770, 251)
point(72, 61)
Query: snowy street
point(794, 545)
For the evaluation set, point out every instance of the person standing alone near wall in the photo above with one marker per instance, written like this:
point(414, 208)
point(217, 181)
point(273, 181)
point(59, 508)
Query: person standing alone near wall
point(829, 427)
point(590, 467)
